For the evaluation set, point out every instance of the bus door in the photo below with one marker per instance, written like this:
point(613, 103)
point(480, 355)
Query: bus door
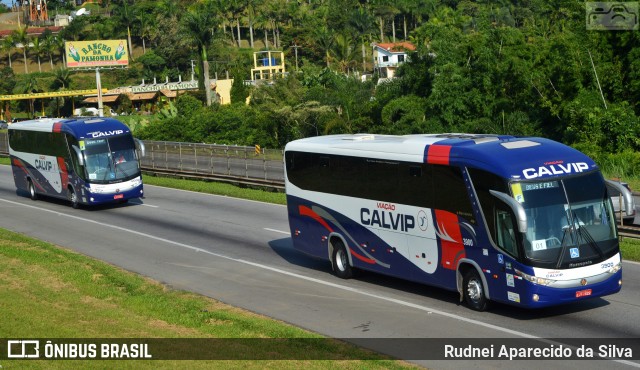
point(500, 273)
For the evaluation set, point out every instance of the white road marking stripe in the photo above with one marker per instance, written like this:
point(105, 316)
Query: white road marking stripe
point(277, 231)
point(147, 205)
point(314, 280)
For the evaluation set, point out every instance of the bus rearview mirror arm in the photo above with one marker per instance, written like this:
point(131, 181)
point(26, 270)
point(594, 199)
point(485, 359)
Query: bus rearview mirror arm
point(629, 203)
point(78, 155)
point(140, 146)
point(518, 210)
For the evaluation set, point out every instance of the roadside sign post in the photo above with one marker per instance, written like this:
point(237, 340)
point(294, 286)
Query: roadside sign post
point(98, 54)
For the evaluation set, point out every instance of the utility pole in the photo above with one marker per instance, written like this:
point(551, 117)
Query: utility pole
point(295, 48)
point(192, 70)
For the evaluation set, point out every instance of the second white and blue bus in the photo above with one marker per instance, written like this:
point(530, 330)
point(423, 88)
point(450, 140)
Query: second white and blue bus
point(523, 221)
point(88, 161)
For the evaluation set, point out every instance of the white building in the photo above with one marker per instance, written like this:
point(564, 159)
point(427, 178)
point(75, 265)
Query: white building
point(387, 57)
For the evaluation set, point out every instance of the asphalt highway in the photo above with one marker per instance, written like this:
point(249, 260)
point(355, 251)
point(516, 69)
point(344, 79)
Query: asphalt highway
point(239, 252)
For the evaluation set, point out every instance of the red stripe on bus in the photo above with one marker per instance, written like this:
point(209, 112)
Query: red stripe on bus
point(362, 258)
point(438, 154)
point(306, 211)
point(57, 127)
point(64, 173)
point(452, 250)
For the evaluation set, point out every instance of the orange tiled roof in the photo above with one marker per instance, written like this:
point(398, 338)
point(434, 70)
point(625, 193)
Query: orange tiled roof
point(32, 31)
point(397, 47)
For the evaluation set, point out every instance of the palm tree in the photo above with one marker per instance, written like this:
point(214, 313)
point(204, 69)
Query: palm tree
point(198, 24)
point(8, 44)
point(343, 52)
point(58, 43)
point(63, 77)
point(38, 49)
point(145, 24)
point(324, 38)
point(30, 86)
point(236, 8)
point(363, 24)
point(169, 8)
point(250, 12)
point(21, 37)
point(125, 14)
point(49, 46)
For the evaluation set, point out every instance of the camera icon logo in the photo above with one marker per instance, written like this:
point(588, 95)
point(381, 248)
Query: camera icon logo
point(612, 16)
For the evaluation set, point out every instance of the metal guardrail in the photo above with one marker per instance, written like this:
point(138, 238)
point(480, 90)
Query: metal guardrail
point(237, 164)
point(629, 231)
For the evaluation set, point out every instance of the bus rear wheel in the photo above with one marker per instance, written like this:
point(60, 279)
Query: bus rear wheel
point(73, 198)
point(32, 191)
point(473, 290)
point(340, 261)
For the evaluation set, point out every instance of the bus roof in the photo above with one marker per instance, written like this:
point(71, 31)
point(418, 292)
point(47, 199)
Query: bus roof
point(507, 156)
point(81, 128)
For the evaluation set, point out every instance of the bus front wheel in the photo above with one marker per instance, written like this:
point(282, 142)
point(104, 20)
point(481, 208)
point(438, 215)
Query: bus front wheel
point(32, 191)
point(473, 290)
point(340, 261)
point(73, 198)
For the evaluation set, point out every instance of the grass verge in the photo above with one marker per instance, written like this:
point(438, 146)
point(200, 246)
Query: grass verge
point(630, 249)
point(218, 188)
point(62, 294)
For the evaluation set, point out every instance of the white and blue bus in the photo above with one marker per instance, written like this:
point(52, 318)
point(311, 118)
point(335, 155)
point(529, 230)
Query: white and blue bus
point(523, 221)
point(87, 161)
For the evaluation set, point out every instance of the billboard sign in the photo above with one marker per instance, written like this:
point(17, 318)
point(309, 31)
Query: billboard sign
point(98, 53)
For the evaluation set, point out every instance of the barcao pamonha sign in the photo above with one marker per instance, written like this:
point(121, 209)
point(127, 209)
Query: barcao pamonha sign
point(98, 53)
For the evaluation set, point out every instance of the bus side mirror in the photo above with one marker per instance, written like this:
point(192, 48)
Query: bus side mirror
point(78, 155)
point(518, 210)
point(629, 203)
point(140, 147)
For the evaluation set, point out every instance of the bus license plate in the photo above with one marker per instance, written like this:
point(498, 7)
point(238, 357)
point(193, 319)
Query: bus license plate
point(583, 293)
point(118, 196)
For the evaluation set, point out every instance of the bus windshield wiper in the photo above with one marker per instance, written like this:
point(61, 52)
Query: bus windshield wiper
point(115, 165)
point(586, 236)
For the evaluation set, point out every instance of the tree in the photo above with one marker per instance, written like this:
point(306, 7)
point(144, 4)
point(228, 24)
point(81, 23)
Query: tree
point(145, 27)
point(62, 78)
point(48, 41)
point(22, 39)
point(362, 22)
point(7, 84)
point(37, 48)
point(7, 44)
point(343, 52)
point(126, 17)
point(31, 85)
point(198, 24)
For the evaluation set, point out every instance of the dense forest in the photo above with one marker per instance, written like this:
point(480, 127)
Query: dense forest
point(503, 67)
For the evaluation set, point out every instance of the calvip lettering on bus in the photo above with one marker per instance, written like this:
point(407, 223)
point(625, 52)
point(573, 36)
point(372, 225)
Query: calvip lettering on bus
point(42, 163)
point(385, 217)
point(554, 168)
point(96, 134)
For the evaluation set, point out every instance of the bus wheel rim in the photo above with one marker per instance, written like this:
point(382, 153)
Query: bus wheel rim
point(341, 260)
point(474, 290)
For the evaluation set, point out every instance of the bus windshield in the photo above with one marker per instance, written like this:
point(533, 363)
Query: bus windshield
point(111, 159)
point(570, 222)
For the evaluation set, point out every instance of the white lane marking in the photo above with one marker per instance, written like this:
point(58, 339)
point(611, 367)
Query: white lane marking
point(314, 280)
point(147, 205)
point(277, 231)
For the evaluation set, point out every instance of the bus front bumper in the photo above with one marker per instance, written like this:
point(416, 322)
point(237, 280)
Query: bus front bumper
point(543, 296)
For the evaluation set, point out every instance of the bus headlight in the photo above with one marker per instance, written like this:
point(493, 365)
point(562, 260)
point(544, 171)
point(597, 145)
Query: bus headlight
point(534, 279)
point(615, 268)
